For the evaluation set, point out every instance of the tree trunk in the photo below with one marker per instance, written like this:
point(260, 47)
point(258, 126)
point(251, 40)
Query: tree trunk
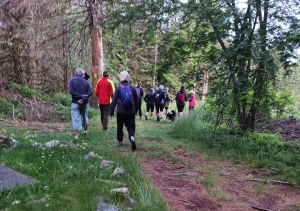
point(97, 60)
point(205, 84)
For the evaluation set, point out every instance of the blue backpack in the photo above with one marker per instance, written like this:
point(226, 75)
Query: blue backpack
point(126, 99)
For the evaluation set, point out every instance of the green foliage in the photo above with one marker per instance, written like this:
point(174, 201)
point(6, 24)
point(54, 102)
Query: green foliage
point(6, 108)
point(283, 100)
point(263, 150)
point(62, 98)
point(25, 91)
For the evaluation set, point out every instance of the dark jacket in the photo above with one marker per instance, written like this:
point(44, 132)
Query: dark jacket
point(161, 96)
point(78, 87)
point(115, 101)
point(141, 95)
point(149, 98)
point(185, 97)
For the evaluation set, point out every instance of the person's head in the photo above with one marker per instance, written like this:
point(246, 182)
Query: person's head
point(80, 71)
point(124, 76)
point(182, 88)
point(151, 90)
point(140, 84)
point(166, 89)
point(105, 74)
point(192, 92)
point(161, 87)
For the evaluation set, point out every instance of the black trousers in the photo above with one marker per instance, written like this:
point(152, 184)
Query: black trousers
point(104, 113)
point(129, 121)
point(139, 108)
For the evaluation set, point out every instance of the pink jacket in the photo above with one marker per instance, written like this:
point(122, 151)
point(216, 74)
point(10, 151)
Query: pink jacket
point(192, 101)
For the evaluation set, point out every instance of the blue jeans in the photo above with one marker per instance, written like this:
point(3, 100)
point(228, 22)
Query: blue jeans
point(79, 114)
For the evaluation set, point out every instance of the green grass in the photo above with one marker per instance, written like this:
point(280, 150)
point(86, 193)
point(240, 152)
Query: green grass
point(259, 150)
point(67, 180)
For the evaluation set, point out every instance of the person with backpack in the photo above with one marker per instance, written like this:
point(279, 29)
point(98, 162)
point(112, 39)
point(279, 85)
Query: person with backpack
point(181, 99)
point(150, 102)
point(192, 101)
point(81, 91)
point(159, 102)
point(126, 101)
point(167, 99)
point(105, 91)
point(140, 93)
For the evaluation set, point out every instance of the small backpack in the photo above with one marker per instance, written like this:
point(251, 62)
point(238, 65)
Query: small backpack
point(157, 97)
point(180, 98)
point(126, 99)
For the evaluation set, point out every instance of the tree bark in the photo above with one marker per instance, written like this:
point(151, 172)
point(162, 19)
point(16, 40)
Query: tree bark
point(97, 60)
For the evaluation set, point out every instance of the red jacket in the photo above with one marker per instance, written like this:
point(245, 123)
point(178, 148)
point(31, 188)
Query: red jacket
point(105, 91)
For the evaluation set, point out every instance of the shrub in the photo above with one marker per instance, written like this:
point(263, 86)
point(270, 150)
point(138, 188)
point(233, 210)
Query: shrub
point(62, 98)
point(5, 108)
point(25, 91)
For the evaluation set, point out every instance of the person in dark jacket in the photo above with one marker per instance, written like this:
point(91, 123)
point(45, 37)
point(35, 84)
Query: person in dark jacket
point(159, 95)
point(81, 91)
point(181, 99)
point(125, 113)
point(150, 103)
point(140, 93)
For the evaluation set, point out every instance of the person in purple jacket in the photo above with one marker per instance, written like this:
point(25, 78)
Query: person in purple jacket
point(81, 91)
point(126, 100)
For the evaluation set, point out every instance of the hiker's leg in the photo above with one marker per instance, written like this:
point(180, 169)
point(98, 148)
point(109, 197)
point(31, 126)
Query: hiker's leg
point(140, 108)
point(120, 123)
point(151, 110)
point(101, 113)
point(130, 124)
point(161, 109)
point(76, 117)
point(105, 116)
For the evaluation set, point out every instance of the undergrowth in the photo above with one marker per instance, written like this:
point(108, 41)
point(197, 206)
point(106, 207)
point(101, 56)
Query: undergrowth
point(262, 150)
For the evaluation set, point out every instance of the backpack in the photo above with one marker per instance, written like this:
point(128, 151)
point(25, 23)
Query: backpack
point(180, 98)
point(157, 97)
point(126, 99)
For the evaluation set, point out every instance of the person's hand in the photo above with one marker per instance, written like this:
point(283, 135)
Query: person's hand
point(84, 95)
point(80, 101)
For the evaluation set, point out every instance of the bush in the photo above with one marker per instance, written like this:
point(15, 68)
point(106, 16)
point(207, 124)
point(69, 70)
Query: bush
point(62, 98)
point(5, 108)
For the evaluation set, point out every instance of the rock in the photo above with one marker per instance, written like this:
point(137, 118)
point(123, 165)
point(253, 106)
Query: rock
point(129, 202)
point(188, 154)
point(52, 143)
point(64, 143)
point(112, 182)
point(36, 144)
point(106, 163)
point(118, 172)
point(4, 141)
point(102, 206)
point(125, 191)
point(90, 155)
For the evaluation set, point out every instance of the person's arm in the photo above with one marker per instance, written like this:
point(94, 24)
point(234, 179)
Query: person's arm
point(114, 102)
point(136, 98)
point(191, 98)
point(142, 92)
point(176, 97)
point(185, 96)
point(97, 89)
point(146, 98)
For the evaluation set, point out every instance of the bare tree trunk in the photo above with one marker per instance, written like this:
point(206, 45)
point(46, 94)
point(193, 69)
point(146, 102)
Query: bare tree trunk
point(155, 61)
point(66, 56)
point(205, 84)
point(97, 60)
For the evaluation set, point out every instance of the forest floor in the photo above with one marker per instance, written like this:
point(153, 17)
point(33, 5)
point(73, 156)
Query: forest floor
point(196, 183)
point(190, 181)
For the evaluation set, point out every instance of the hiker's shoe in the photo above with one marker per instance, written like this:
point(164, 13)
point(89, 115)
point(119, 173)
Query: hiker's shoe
point(76, 137)
point(146, 118)
point(140, 117)
point(157, 119)
point(120, 144)
point(105, 130)
point(133, 146)
point(85, 133)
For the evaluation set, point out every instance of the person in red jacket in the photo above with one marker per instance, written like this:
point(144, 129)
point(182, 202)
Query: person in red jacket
point(105, 91)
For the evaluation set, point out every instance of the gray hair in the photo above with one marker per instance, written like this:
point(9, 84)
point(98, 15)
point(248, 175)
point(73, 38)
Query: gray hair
point(161, 86)
point(79, 71)
point(124, 76)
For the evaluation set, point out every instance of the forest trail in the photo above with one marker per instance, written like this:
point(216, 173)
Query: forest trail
point(195, 183)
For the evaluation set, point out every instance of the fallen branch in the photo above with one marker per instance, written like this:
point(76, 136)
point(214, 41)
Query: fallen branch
point(265, 181)
point(170, 188)
point(258, 208)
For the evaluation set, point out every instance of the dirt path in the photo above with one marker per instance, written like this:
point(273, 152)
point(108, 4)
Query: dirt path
point(197, 184)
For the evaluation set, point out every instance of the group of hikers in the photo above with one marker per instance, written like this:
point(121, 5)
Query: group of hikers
point(126, 100)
